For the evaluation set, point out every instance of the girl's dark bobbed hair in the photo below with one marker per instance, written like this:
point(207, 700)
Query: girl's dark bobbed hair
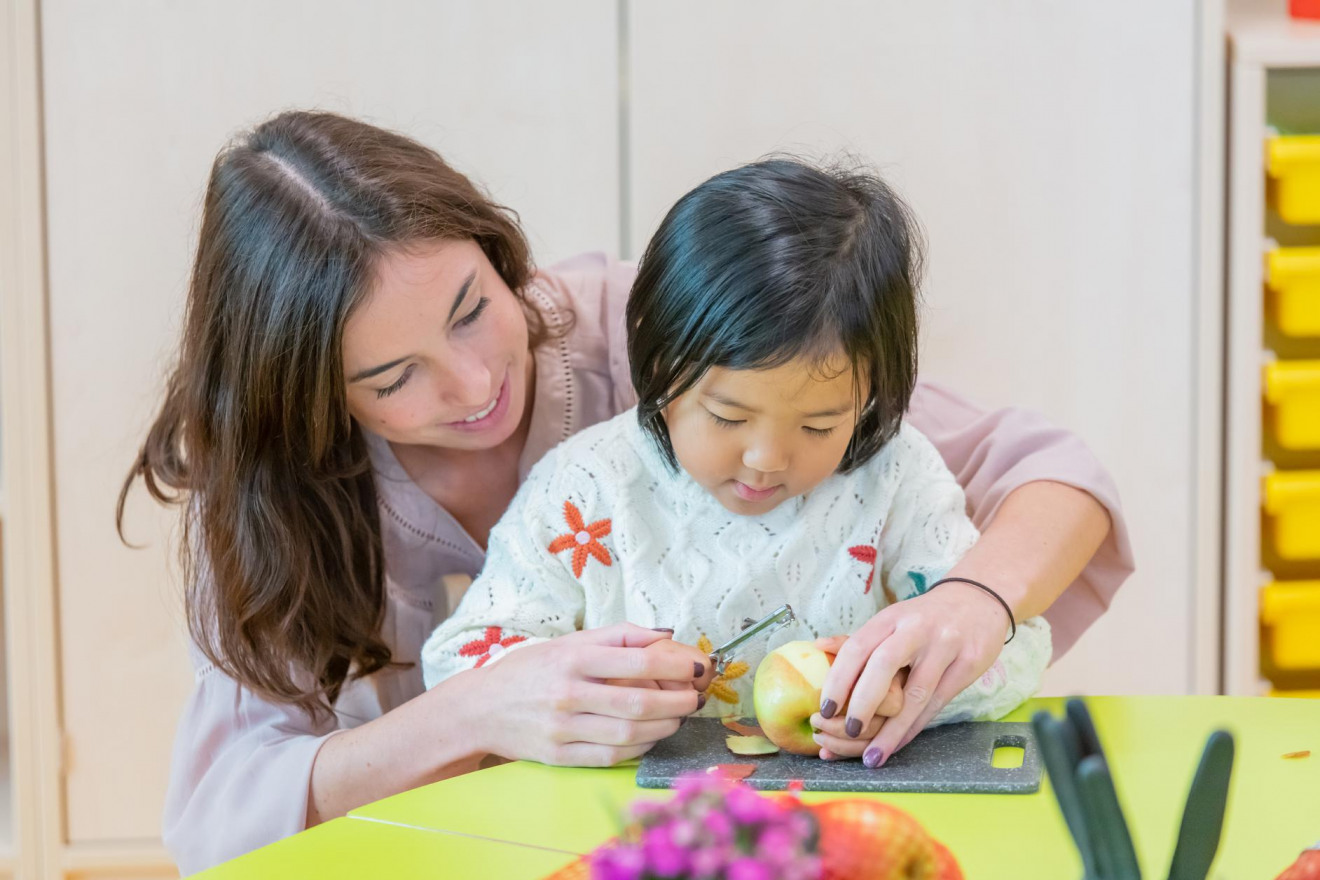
point(774, 261)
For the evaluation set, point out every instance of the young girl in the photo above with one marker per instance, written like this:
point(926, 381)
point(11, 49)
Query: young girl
point(772, 335)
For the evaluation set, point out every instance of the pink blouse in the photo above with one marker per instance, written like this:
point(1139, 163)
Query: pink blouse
point(242, 764)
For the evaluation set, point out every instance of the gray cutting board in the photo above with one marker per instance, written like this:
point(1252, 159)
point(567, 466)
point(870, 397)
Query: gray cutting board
point(952, 758)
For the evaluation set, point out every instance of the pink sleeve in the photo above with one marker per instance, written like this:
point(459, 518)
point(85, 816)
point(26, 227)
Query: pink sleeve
point(597, 287)
point(240, 772)
point(993, 453)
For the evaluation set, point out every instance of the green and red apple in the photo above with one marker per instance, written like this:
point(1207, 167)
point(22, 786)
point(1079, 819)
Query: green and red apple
point(786, 694)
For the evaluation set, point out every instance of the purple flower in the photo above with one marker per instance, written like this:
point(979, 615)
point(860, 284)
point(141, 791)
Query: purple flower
point(709, 861)
point(617, 863)
point(693, 786)
point(664, 857)
point(745, 868)
point(777, 846)
point(683, 832)
point(747, 807)
point(717, 824)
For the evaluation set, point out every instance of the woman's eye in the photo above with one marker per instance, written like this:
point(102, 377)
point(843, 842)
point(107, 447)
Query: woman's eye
point(723, 423)
point(398, 383)
point(818, 432)
point(472, 316)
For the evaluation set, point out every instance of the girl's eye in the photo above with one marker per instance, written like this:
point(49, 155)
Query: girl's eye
point(398, 383)
point(723, 423)
point(472, 316)
point(818, 432)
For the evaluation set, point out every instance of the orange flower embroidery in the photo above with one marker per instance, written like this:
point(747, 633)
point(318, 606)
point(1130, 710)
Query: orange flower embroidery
point(492, 645)
point(867, 555)
point(720, 688)
point(582, 539)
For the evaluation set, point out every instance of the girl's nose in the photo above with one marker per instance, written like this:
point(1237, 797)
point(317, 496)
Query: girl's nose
point(766, 456)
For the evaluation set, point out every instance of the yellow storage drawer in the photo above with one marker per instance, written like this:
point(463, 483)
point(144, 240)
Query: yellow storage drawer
point(1291, 501)
point(1292, 398)
point(1292, 278)
point(1293, 163)
point(1290, 613)
point(1304, 695)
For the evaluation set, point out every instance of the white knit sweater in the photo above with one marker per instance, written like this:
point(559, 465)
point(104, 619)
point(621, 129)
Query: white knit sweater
point(604, 531)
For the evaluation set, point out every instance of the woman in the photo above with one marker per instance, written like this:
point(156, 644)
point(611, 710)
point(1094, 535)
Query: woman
point(369, 366)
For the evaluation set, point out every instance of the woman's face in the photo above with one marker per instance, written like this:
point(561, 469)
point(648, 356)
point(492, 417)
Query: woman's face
point(437, 354)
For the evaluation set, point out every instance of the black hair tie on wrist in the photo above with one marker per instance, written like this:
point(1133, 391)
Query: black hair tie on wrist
point(979, 585)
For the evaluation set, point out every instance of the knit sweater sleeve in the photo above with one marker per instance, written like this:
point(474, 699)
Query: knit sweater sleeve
point(927, 532)
point(525, 593)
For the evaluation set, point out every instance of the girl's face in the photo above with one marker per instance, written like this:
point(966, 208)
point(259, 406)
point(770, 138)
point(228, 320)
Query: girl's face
point(755, 438)
point(437, 354)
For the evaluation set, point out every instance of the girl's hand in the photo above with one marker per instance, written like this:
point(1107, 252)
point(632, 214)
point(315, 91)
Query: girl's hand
point(948, 637)
point(552, 702)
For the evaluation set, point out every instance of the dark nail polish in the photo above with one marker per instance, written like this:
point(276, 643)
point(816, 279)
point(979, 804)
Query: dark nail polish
point(828, 708)
point(698, 669)
point(701, 701)
point(853, 727)
point(873, 757)
point(664, 629)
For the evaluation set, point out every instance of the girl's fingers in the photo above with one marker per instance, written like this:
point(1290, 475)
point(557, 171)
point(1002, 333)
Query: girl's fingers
point(837, 727)
point(849, 661)
point(831, 644)
point(841, 746)
point(873, 684)
point(892, 704)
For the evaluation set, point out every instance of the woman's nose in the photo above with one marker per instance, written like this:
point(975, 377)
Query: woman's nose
point(465, 382)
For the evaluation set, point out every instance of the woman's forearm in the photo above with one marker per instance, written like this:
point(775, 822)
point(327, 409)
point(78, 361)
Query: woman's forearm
point(428, 738)
point(1039, 541)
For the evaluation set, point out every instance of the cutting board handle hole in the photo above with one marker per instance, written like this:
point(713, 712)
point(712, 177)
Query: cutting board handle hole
point(1009, 753)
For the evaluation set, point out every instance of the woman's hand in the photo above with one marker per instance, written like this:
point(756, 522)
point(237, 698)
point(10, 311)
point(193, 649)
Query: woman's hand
point(948, 637)
point(576, 700)
point(831, 734)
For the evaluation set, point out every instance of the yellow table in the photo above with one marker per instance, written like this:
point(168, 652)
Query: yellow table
point(1154, 744)
point(355, 849)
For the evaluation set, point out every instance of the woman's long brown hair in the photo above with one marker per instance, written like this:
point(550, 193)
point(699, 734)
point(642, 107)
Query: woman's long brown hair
point(281, 544)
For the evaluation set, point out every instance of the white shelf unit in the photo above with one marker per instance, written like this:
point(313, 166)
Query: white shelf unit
point(1273, 79)
point(6, 780)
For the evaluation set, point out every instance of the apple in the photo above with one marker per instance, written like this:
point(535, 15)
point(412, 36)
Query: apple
point(863, 839)
point(786, 694)
point(1307, 866)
